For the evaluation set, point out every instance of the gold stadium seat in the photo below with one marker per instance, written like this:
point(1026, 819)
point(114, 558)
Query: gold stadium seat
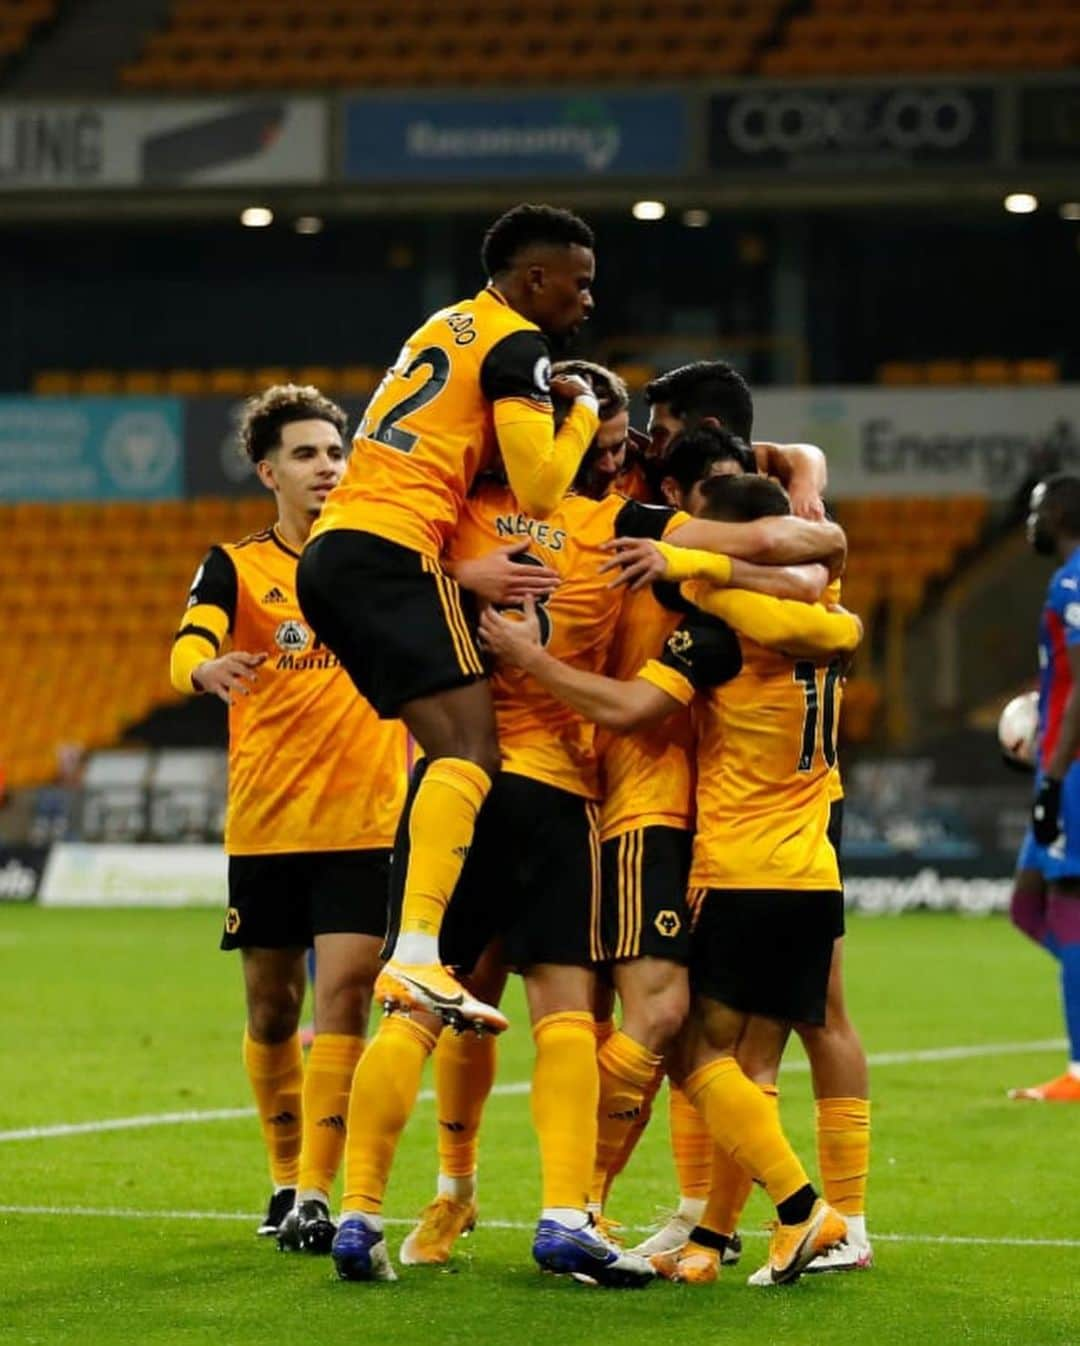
point(947, 372)
point(1037, 371)
point(53, 383)
point(97, 381)
point(322, 377)
point(230, 382)
point(141, 382)
point(898, 373)
point(186, 382)
point(989, 370)
point(360, 380)
point(270, 374)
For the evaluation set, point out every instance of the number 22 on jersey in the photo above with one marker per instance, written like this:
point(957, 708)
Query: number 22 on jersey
point(433, 365)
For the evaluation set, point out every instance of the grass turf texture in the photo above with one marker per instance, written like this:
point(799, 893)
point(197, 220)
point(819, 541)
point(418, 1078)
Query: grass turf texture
point(112, 1014)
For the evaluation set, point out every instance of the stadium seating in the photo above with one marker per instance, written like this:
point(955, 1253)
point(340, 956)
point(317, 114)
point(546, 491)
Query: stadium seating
point(879, 37)
point(988, 370)
point(900, 545)
point(347, 380)
point(91, 610)
point(376, 43)
point(269, 44)
point(18, 20)
point(360, 380)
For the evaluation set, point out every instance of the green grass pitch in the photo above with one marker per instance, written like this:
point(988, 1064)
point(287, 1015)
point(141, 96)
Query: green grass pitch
point(120, 1014)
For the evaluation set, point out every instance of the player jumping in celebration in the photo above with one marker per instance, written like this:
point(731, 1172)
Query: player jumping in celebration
point(529, 882)
point(316, 785)
point(473, 381)
point(1046, 899)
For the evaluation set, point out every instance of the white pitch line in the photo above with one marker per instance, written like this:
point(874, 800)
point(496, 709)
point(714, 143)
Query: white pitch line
point(961, 1053)
point(180, 1118)
point(958, 1053)
point(126, 1123)
point(120, 1213)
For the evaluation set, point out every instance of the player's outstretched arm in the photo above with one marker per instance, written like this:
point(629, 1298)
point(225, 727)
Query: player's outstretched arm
point(805, 583)
point(773, 541)
point(641, 561)
point(805, 630)
point(608, 702)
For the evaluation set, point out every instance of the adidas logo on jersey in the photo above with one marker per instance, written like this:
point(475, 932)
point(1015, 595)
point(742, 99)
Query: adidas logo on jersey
point(334, 1123)
point(274, 595)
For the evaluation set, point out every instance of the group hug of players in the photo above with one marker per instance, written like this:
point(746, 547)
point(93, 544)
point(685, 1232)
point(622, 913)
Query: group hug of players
point(619, 662)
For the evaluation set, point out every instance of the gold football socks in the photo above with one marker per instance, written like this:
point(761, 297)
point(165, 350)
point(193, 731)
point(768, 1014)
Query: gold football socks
point(565, 1093)
point(328, 1075)
point(276, 1072)
point(385, 1086)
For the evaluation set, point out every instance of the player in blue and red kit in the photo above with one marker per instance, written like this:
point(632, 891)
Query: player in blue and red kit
point(1046, 899)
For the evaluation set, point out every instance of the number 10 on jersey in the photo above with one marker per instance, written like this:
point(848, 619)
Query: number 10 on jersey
point(819, 689)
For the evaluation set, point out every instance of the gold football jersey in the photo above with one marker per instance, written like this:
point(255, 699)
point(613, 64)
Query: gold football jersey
point(429, 427)
point(540, 736)
point(311, 766)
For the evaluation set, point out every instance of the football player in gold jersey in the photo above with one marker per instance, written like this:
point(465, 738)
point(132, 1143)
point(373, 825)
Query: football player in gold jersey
point(474, 380)
point(646, 830)
point(713, 393)
point(615, 461)
point(697, 658)
point(530, 880)
point(316, 785)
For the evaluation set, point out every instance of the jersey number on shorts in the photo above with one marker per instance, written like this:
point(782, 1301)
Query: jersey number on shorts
point(543, 616)
point(819, 688)
point(387, 431)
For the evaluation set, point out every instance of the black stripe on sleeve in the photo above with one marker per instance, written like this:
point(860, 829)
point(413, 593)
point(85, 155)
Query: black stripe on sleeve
point(202, 631)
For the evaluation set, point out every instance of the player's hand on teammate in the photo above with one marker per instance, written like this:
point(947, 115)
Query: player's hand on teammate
point(637, 559)
point(569, 386)
point(806, 503)
point(506, 576)
point(228, 674)
point(512, 638)
point(1046, 811)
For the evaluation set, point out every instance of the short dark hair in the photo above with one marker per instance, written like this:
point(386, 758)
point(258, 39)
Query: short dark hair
point(1062, 501)
point(743, 499)
point(611, 391)
point(525, 225)
point(694, 451)
point(706, 388)
point(280, 405)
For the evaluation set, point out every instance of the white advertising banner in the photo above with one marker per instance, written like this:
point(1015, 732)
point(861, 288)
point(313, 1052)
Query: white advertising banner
point(134, 876)
point(928, 441)
point(76, 146)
